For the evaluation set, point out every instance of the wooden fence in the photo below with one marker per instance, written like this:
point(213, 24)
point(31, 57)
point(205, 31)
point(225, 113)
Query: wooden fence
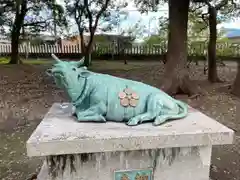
point(110, 51)
point(6, 49)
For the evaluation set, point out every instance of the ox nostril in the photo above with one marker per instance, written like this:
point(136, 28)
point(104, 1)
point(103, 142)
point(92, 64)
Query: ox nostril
point(79, 76)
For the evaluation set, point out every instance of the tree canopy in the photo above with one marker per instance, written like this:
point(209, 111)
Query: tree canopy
point(28, 16)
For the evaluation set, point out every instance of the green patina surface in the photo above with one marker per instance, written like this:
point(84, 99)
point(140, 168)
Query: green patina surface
point(100, 97)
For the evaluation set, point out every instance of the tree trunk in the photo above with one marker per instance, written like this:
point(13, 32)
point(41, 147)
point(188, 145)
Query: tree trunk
point(212, 59)
point(14, 48)
point(84, 48)
point(121, 51)
point(88, 50)
point(55, 23)
point(87, 60)
point(16, 29)
point(236, 84)
point(176, 77)
point(87, 55)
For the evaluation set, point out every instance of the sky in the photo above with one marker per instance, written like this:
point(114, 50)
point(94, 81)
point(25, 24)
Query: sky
point(150, 20)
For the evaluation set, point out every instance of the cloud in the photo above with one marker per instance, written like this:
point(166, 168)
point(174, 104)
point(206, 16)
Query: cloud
point(148, 21)
point(60, 2)
point(231, 24)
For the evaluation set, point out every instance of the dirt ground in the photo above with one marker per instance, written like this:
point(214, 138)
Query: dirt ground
point(26, 94)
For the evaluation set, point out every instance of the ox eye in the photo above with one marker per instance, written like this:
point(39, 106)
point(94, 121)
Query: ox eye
point(74, 69)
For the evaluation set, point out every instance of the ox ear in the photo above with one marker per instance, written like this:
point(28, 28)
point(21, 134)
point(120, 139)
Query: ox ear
point(84, 67)
point(85, 74)
point(82, 60)
point(77, 63)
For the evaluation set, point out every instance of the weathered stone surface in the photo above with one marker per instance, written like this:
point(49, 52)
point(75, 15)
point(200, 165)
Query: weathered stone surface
point(60, 133)
point(191, 163)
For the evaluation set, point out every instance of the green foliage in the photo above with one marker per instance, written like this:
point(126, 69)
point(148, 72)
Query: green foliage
point(101, 39)
point(4, 60)
point(90, 14)
point(112, 43)
point(162, 34)
point(198, 17)
point(163, 28)
point(227, 49)
point(223, 48)
point(155, 39)
point(103, 49)
point(34, 16)
point(197, 28)
point(144, 6)
point(197, 48)
point(87, 15)
point(133, 32)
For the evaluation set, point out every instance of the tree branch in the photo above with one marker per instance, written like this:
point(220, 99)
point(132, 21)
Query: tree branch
point(204, 18)
point(34, 23)
point(20, 14)
point(88, 14)
point(207, 3)
point(195, 9)
point(233, 3)
point(221, 4)
point(164, 22)
point(202, 28)
point(104, 7)
point(78, 14)
point(218, 6)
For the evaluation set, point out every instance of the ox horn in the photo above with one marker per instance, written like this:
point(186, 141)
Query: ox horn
point(56, 58)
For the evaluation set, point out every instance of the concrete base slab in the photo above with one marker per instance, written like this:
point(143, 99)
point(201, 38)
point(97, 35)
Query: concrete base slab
point(179, 149)
point(60, 133)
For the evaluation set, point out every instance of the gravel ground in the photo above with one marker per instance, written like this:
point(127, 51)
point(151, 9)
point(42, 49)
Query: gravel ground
point(26, 94)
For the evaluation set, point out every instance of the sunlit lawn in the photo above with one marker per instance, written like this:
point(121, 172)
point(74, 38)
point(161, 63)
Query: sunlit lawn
point(96, 64)
point(5, 60)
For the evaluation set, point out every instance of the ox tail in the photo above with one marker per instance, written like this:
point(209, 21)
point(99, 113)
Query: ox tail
point(183, 110)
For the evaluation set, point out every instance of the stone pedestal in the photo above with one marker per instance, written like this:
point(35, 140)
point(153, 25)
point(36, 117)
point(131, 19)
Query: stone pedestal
point(180, 149)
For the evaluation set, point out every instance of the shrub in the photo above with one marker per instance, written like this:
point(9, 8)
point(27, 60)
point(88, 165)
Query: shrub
point(4, 60)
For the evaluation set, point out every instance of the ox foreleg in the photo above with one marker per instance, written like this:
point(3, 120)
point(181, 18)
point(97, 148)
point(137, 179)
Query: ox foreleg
point(153, 109)
point(94, 113)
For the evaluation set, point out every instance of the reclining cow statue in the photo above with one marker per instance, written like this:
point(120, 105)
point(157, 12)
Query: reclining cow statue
point(100, 97)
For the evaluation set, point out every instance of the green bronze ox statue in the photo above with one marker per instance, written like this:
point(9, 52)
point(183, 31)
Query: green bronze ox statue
point(100, 97)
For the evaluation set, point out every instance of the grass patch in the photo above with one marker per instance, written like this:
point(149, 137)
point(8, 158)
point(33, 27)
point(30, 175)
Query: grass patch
point(5, 60)
point(40, 61)
point(96, 64)
point(116, 65)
